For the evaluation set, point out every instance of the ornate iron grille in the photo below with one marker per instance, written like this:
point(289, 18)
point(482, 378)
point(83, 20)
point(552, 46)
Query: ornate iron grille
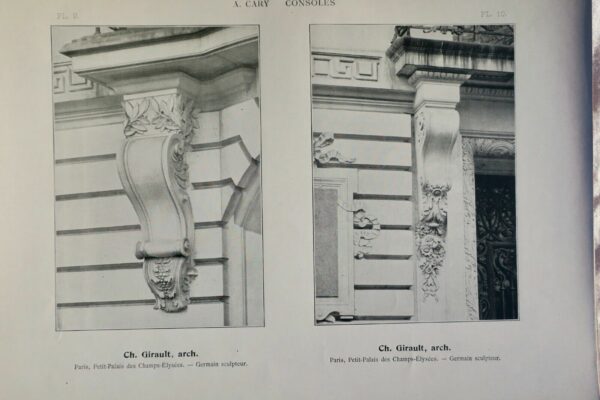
point(496, 246)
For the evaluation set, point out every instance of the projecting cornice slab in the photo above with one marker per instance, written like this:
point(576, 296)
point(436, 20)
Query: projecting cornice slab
point(202, 53)
point(481, 61)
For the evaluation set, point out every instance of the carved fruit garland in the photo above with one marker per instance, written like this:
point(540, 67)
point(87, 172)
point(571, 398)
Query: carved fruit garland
point(431, 237)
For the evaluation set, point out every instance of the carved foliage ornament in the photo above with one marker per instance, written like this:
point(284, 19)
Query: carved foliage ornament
point(169, 279)
point(493, 148)
point(323, 154)
point(366, 229)
point(172, 113)
point(431, 236)
point(420, 128)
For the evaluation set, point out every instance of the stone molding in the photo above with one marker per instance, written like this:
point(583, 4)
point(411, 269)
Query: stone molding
point(473, 148)
point(154, 174)
point(346, 66)
point(487, 93)
point(66, 81)
point(437, 76)
point(470, 232)
point(357, 98)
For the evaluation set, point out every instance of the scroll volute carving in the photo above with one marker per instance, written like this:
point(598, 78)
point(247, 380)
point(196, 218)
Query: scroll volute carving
point(154, 174)
point(436, 131)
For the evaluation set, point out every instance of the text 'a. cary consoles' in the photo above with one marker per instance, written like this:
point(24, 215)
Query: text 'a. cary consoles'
point(287, 3)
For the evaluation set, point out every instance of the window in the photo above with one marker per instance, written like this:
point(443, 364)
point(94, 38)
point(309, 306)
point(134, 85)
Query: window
point(333, 242)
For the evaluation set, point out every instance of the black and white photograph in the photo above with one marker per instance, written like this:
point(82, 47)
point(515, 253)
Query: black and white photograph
point(158, 202)
point(300, 199)
point(414, 203)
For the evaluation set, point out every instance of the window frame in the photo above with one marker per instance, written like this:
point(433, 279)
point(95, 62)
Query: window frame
point(345, 182)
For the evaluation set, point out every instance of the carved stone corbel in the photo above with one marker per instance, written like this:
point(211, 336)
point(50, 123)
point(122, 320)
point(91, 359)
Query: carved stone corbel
point(436, 125)
point(154, 174)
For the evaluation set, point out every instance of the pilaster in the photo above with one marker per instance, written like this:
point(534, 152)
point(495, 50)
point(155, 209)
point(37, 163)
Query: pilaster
point(436, 125)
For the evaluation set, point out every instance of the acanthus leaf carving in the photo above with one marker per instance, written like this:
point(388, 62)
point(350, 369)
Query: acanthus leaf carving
point(137, 121)
point(435, 208)
point(169, 280)
point(420, 128)
point(170, 113)
point(180, 167)
point(323, 155)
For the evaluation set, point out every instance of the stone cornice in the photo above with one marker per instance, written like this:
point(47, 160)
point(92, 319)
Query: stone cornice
point(411, 54)
point(404, 44)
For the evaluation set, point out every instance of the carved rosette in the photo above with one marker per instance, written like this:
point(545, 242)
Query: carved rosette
point(324, 154)
point(431, 236)
point(154, 173)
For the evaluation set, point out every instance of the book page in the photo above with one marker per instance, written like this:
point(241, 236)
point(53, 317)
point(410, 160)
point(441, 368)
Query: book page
point(297, 199)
